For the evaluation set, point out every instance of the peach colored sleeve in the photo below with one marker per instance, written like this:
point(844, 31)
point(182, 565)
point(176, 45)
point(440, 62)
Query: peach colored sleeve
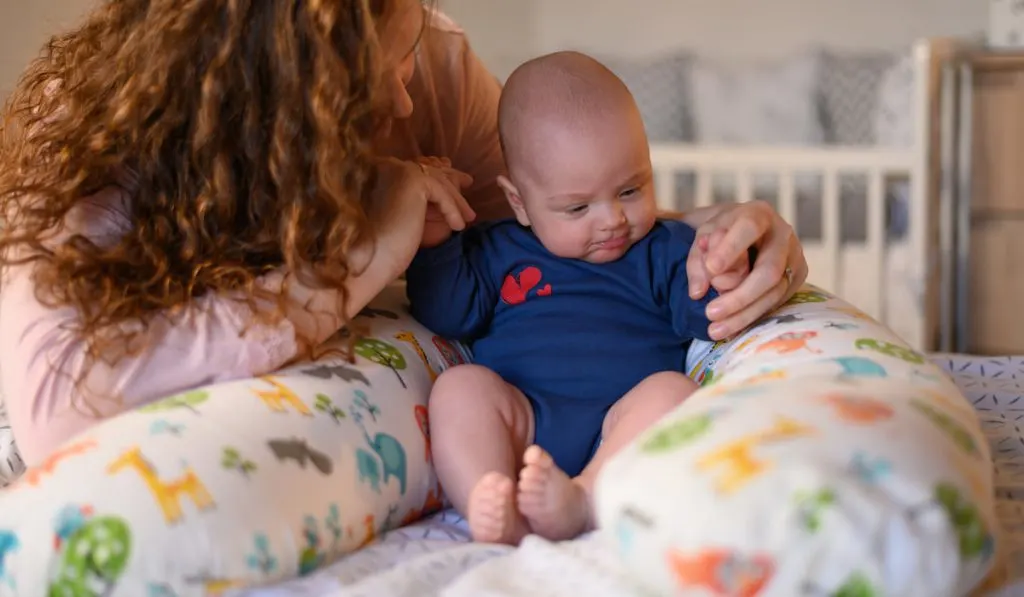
point(215, 339)
point(464, 97)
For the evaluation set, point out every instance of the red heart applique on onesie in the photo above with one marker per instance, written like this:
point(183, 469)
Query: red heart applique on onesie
point(514, 291)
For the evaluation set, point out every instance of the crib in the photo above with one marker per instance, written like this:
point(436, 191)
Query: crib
point(889, 268)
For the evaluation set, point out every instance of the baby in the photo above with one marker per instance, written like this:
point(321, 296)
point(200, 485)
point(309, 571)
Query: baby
point(577, 310)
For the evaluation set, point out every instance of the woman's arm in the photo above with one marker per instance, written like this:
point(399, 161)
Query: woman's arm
point(217, 338)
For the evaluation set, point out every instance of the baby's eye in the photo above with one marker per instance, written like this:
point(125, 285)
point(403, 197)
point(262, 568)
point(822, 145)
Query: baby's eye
point(577, 209)
point(630, 192)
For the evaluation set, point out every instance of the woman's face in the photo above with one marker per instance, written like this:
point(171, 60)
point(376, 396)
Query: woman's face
point(400, 36)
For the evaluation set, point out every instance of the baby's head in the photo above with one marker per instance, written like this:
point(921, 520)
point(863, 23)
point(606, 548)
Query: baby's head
point(579, 167)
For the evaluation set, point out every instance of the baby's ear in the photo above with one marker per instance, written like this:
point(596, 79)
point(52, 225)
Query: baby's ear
point(514, 199)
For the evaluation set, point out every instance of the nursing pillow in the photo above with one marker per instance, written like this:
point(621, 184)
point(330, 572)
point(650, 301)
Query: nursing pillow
point(821, 457)
point(237, 484)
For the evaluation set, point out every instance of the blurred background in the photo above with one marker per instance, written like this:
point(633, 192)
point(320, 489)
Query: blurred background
point(505, 32)
point(831, 84)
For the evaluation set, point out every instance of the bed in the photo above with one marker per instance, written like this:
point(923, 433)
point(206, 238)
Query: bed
point(433, 557)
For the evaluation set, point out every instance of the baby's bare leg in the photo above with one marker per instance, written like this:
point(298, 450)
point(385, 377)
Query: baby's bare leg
point(558, 507)
point(479, 425)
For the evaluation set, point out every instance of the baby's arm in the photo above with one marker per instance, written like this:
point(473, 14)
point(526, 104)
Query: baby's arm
point(670, 283)
point(449, 286)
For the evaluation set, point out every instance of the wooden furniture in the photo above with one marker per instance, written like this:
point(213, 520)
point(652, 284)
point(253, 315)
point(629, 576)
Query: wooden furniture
point(986, 152)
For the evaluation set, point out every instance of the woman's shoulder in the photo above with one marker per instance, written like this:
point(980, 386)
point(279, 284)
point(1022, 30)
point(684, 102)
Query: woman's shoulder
point(442, 53)
point(439, 22)
point(103, 217)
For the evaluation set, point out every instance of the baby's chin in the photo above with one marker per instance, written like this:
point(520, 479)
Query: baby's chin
point(607, 255)
point(597, 254)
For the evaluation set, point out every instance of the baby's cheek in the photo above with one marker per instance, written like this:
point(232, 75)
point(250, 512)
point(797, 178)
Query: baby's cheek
point(561, 241)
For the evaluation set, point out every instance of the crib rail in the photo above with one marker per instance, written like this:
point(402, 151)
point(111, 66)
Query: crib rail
point(858, 271)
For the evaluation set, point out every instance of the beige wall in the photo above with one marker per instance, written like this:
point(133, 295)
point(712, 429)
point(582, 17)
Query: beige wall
point(504, 32)
point(25, 25)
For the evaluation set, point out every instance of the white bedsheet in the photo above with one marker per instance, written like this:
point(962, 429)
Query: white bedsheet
point(434, 557)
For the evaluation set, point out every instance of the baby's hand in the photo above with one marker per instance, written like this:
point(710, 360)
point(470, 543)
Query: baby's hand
point(435, 228)
point(734, 274)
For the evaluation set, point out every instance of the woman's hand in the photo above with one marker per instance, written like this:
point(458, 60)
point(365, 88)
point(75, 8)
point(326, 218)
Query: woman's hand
point(735, 274)
point(778, 272)
point(405, 193)
point(436, 229)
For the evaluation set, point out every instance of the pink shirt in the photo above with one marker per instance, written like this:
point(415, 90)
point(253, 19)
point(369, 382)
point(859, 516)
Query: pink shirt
point(215, 339)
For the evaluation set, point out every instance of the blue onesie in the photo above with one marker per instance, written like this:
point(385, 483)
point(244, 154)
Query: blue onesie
point(573, 336)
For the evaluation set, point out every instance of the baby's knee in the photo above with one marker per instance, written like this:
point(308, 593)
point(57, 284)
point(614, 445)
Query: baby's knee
point(669, 386)
point(656, 395)
point(661, 392)
point(465, 376)
point(463, 386)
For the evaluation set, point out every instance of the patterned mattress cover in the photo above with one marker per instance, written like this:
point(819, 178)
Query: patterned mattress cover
point(995, 385)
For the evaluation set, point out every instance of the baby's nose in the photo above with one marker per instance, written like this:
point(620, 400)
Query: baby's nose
point(616, 217)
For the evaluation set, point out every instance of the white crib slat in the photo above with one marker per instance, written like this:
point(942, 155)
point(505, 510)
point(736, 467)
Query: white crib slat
point(665, 189)
point(704, 197)
point(744, 186)
point(855, 270)
point(787, 197)
point(831, 231)
point(876, 234)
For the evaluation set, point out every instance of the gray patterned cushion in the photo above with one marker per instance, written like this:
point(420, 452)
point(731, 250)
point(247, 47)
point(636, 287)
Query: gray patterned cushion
point(659, 86)
point(752, 103)
point(894, 120)
point(849, 93)
point(1006, 23)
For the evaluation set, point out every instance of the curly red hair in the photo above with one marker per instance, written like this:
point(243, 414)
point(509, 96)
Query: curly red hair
point(246, 124)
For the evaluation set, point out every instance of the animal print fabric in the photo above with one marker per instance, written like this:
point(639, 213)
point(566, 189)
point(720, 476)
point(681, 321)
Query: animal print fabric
point(238, 484)
point(822, 456)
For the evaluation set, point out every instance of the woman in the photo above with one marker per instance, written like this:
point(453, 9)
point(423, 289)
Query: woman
point(194, 194)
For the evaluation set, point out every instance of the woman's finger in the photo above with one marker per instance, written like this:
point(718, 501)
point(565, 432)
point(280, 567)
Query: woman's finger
point(444, 179)
point(728, 281)
point(798, 263)
point(458, 177)
point(464, 208)
point(729, 327)
point(443, 167)
point(451, 203)
point(740, 236)
point(697, 277)
point(431, 160)
point(769, 269)
point(440, 196)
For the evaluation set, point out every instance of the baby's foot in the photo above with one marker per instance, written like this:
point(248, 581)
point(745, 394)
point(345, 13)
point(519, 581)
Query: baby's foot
point(491, 511)
point(555, 506)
